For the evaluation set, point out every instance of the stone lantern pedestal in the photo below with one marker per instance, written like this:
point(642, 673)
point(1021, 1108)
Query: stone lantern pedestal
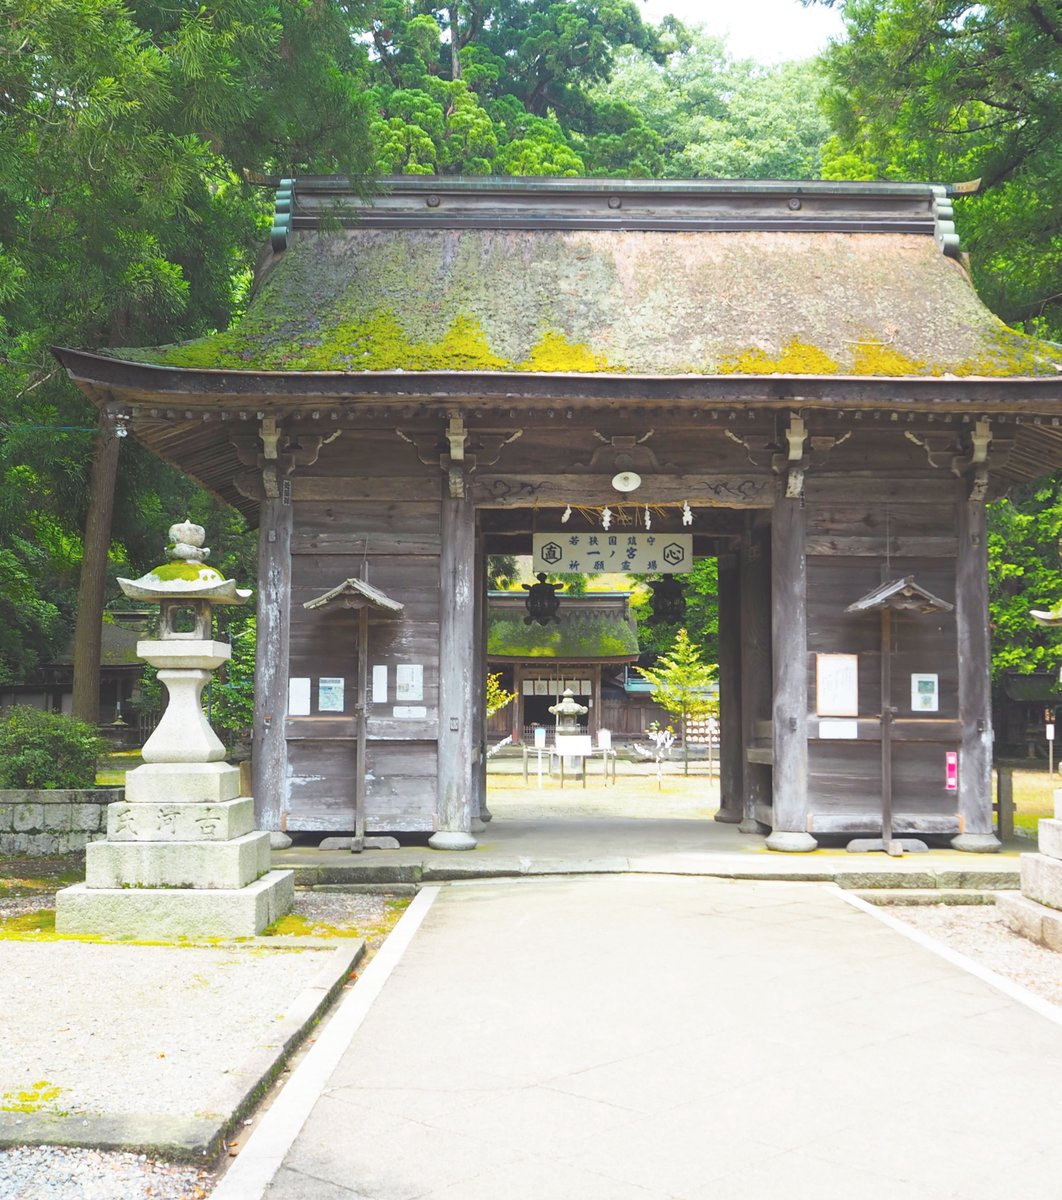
point(182, 858)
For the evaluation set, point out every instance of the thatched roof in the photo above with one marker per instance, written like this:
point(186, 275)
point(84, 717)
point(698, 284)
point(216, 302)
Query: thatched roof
point(851, 282)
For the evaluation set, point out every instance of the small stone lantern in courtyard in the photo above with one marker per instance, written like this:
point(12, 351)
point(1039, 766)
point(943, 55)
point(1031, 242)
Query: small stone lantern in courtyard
point(181, 857)
point(568, 710)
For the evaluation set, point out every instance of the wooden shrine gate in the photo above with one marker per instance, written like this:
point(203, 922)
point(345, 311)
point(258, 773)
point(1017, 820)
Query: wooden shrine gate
point(434, 375)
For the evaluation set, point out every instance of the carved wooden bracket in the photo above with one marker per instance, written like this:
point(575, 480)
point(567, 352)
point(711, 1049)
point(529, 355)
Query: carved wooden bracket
point(794, 461)
point(272, 455)
point(624, 452)
point(457, 453)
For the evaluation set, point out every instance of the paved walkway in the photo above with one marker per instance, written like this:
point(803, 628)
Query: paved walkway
point(643, 1037)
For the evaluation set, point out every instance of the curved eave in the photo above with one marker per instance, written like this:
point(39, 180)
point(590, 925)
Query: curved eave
point(110, 380)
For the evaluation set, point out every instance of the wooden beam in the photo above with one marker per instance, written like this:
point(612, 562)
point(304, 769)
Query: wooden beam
point(730, 755)
point(789, 655)
point(269, 760)
point(746, 490)
point(755, 669)
point(975, 702)
point(481, 814)
point(457, 635)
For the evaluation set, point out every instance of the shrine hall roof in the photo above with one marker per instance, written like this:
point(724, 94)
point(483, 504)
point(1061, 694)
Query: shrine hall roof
point(692, 278)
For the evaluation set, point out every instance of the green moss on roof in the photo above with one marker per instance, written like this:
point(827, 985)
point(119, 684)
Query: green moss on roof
point(579, 636)
point(872, 304)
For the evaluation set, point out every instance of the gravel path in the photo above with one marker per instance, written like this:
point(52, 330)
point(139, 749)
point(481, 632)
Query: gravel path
point(56, 1173)
point(979, 932)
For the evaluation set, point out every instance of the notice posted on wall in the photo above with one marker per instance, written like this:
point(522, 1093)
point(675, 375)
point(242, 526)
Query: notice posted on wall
point(837, 685)
point(379, 684)
point(409, 681)
point(330, 694)
point(299, 697)
point(925, 693)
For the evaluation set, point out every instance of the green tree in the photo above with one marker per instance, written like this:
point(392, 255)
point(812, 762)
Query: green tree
point(1024, 573)
point(131, 139)
point(714, 116)
point(923, 89)
point(681, 682)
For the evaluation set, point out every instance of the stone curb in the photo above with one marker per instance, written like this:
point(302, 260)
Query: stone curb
point(375, 876)
point(195, 1139)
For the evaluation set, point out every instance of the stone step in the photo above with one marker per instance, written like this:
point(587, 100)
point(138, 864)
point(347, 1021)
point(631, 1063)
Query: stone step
point(923, 896)
point(1035, 921)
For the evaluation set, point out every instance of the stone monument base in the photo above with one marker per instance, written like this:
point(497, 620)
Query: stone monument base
point(1037, 912)
point(170, 913)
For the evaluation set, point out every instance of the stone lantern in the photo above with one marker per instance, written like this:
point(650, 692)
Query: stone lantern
point(181, 857)
point(568, 710)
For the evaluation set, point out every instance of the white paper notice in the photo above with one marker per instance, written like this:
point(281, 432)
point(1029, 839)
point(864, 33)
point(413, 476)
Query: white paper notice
point(410, 712)
point(837, 685)
point(839, 729)
point(925, 693)
point(379, 685)
point(409, 681)
point(330, 695)
point(298, 697)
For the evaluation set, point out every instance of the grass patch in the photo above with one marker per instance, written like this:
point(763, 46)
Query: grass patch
point(31, 923)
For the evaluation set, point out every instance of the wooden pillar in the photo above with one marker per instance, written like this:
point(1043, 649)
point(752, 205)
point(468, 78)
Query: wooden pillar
point(457, 640)
point(269, 748)
point(975, 697)
point(730, 746)
point(755, 673)
point(789, 657)
point(481, 814)
point(594, 724)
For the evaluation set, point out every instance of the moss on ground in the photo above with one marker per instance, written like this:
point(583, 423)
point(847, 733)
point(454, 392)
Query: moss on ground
point(38, 1097)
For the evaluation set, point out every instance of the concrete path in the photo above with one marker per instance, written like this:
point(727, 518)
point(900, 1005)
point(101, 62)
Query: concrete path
point(643, 1037)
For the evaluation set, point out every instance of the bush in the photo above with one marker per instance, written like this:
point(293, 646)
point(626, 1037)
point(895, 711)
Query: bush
point(47, 750)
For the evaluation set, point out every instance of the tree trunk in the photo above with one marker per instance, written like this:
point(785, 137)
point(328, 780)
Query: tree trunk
point(455, 59)
point(91, 589)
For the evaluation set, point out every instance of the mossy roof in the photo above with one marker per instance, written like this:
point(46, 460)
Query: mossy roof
point(644, 302)
point(582, 635)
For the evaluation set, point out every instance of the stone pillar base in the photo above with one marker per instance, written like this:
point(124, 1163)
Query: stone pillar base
point(976, 843)
point(751, 825)
point(791, 842)
point(170, 913)
point(451, 839)
point(728, 817)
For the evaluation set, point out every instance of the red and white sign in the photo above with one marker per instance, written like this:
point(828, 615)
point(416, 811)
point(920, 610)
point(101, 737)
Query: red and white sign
point(951, 770)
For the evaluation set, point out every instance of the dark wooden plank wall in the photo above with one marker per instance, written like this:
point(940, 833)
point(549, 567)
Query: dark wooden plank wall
point(861, 533)
point(394, 544)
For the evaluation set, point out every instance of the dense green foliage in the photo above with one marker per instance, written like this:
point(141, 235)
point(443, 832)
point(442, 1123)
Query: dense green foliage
point(131, 135)
point(951, 91)
point(1024, 573)
point(47, 750)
